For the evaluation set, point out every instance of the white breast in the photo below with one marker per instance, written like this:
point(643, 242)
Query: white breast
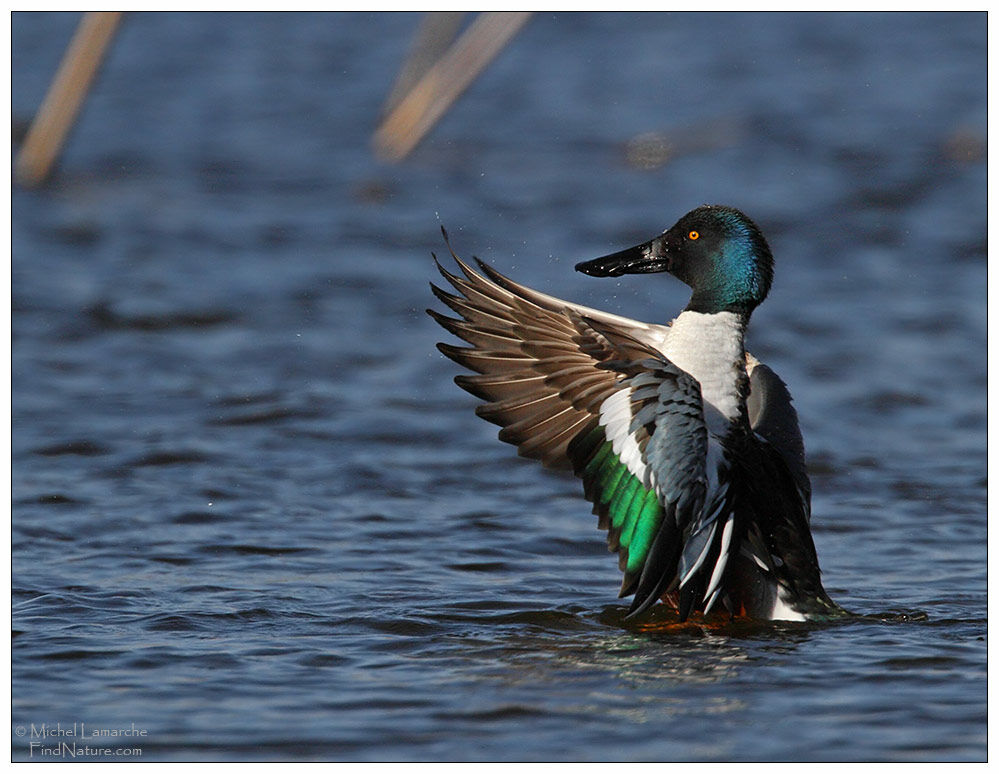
point(709, 347)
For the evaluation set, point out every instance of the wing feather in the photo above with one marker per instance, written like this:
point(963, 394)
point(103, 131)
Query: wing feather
point(537, 362)
point(772, 416)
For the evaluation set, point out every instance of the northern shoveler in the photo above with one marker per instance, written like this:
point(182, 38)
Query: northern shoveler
point(688, 447)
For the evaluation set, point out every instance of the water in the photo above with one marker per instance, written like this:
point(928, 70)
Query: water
point(253, 517)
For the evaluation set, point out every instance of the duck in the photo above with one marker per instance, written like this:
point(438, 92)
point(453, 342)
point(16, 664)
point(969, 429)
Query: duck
point(688, 447)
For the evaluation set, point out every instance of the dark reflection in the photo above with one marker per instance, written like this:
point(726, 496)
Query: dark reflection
point(570, 650)
point(898, 616)
point(557, 641)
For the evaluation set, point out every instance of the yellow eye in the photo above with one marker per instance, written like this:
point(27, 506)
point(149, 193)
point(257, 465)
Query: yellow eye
point(693, 235)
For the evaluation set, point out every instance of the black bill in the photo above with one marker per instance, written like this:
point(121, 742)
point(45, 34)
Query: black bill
point(645, 258)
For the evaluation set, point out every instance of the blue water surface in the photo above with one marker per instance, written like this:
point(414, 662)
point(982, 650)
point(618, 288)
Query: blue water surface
point(253, 517)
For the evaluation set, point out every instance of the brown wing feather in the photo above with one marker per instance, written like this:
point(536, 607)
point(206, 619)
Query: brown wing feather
point(537, 359)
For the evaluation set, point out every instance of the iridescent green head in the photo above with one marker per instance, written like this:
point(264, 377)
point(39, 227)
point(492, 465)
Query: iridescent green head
point(717, 251)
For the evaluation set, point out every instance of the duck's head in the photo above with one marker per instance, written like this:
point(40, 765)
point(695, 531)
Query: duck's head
point(717, 251)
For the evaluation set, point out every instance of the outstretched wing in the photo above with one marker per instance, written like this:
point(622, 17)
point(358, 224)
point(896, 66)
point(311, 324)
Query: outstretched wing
point(580, 389)
point(536, 360)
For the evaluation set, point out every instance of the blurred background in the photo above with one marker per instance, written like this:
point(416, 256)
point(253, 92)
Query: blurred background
point(253, 515)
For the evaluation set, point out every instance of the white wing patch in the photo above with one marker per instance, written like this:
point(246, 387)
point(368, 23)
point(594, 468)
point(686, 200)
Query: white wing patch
point(615, 417)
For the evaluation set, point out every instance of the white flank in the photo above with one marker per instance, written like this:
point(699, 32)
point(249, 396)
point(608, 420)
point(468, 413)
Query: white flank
point(782, 611)
point(766, 597)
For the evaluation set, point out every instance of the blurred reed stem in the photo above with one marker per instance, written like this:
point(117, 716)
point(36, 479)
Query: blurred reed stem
point(444, 81)
point(59, 109)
